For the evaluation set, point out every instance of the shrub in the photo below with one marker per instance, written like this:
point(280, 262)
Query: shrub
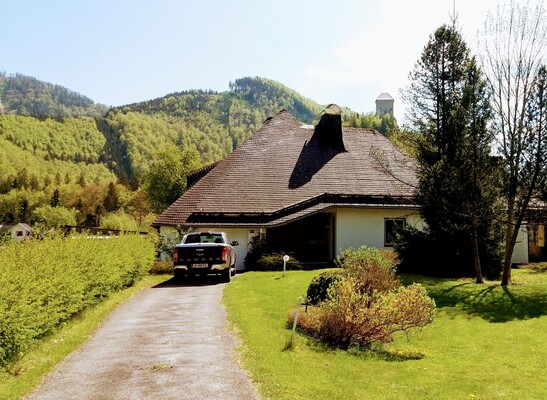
point(44, 282)
point(274, 262)
point(366, 304)
point(162, 267)
point(257, 247)
point(54, 217)
point(423, 253)
point(262, 257)
point(307, 321)
point(318, 288)
point(538, 267)
point(119, 220)
point(353, 319)
point(372, 268)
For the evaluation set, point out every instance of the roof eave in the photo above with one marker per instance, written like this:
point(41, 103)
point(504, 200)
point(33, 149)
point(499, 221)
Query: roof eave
point(279, 218)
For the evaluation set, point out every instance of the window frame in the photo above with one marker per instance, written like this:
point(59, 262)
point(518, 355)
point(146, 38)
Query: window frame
point(393, 220)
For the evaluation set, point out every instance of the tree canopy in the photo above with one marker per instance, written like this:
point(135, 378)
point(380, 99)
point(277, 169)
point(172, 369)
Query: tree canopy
point(513, 56)
point(165, 182)
point(457, 187)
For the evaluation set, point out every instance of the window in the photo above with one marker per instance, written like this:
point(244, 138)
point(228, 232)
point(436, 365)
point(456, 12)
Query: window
point(204, 237)
point(19, 233)
point(391, 227)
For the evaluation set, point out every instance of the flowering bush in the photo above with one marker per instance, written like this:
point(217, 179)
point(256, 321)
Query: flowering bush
point(367, 304)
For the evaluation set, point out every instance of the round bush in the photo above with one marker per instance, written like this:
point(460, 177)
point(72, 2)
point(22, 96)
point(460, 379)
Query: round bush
point(319, 286)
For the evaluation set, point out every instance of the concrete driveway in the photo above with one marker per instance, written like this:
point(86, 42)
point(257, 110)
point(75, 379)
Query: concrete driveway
point(166, 342)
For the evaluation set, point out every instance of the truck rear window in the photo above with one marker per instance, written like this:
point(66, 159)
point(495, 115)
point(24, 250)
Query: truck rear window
point(204, 238)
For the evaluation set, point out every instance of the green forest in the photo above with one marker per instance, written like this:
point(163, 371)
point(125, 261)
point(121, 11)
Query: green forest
point(65, 160)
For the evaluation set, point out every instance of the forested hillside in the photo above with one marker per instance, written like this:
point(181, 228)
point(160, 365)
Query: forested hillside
point(214, 123)
point(66, 160)
point(25, 95)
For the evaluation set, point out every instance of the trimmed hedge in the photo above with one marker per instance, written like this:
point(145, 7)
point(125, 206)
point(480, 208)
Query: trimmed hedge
point(45, 282)
point(274, 262)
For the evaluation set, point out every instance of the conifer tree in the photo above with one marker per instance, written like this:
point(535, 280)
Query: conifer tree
point(111, 200)
point(457, 195)
point(55, 202)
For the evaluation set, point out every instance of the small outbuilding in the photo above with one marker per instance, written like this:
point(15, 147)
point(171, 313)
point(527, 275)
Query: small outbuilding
point(18, 232)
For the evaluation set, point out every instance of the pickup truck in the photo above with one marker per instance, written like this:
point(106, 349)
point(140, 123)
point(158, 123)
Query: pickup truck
point(204, 253)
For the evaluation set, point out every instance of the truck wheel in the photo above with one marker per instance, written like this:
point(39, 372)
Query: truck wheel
point(225, 275)
point(179, 275)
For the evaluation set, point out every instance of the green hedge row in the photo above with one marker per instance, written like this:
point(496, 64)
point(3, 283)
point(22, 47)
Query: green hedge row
point(44, 282)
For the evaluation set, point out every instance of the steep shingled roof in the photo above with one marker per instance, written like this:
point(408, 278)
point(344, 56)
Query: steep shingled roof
point(286, 170)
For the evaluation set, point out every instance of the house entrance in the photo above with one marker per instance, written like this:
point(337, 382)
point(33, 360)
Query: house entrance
point(310, 239)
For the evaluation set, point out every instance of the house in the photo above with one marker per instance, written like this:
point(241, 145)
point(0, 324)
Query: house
point(314, 191)
point(18, 232)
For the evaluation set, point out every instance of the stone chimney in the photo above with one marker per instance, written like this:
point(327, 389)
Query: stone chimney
point(328, 132)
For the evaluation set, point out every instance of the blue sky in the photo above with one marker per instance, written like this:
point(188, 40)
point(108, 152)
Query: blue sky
point(117, 52)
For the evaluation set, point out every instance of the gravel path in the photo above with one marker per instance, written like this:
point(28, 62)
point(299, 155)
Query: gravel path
point(167, 342)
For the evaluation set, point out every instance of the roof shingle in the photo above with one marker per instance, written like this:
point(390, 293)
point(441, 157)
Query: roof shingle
point(283, 167)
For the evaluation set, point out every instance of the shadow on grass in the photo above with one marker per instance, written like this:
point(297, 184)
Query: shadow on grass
point(492, 302)
point(374, 352)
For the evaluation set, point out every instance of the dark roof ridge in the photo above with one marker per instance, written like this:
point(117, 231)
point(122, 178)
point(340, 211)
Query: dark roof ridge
point(200, 217)
point(193, 177)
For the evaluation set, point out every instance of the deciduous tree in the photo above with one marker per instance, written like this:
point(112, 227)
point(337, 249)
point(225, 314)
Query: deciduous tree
point(513, 49)
point(166, 179)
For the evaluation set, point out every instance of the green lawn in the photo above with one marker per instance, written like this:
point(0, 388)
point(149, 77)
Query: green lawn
point(487, 342)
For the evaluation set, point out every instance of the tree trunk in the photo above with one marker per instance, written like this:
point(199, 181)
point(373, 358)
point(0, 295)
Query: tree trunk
point(475, 245)
point(509, 244)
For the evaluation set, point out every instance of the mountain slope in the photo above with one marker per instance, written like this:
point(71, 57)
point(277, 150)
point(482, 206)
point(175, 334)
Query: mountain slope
point(59, 149)
point(214, 123)
point(28, 96)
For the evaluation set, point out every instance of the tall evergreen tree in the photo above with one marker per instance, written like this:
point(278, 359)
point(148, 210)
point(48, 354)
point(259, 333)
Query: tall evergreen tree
point(450, 109)
point(55, 202)
point(111, 200)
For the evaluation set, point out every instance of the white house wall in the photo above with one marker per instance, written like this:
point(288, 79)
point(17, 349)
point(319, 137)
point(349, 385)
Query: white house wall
point(520, 251)
point(241, 235)
point(19, 233)
point(355, 227)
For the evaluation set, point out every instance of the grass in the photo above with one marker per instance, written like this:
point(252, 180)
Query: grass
point(23, 375)
point(487, 342)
